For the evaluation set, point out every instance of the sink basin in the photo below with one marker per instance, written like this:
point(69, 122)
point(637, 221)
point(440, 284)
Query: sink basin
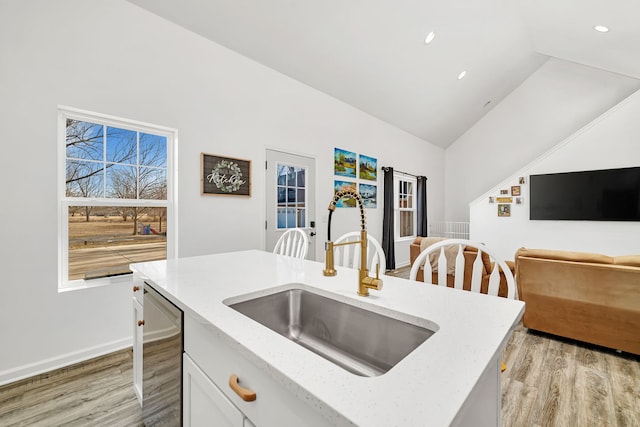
point(361, 341)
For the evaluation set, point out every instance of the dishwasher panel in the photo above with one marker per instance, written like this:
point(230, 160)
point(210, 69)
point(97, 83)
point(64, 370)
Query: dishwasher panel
point(161, 361)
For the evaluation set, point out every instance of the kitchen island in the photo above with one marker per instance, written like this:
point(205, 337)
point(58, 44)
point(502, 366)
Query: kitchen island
point(453, 378)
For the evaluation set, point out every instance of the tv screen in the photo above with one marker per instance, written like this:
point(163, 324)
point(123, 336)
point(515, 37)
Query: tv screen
point(597, 195)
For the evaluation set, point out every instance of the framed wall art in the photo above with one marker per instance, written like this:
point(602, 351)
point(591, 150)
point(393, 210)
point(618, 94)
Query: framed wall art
point(504, 210)
point(345, 202)
point(369, 195)
point(225, 176)
point(368, 167)
point(344, 163)
point(515, 190)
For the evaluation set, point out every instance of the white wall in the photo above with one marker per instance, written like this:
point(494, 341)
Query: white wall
point(610, 141)
point(112, 57)
point(558, 99)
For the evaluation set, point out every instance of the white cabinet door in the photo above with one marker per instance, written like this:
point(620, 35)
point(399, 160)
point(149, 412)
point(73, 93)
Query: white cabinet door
point(204, 404)
point(274, 405)
point(137, 348)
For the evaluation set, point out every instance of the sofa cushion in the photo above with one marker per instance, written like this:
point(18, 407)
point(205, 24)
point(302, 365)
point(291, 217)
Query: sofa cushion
point(450, 253)
point(486, 259)
point(564, 255)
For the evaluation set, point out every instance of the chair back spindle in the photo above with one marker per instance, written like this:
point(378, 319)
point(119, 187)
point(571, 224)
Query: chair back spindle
point(349, 255)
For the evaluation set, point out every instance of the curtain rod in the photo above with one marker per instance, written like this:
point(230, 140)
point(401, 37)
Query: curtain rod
point(386, 169)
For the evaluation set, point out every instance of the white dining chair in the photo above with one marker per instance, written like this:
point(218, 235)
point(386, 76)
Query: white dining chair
point(293, 242)
point(436, 256)
point(438, 259)
point(349, 255)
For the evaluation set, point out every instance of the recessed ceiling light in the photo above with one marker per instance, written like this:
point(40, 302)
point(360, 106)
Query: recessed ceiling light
point(429, 37)
point(461, 75)
point(601, 28)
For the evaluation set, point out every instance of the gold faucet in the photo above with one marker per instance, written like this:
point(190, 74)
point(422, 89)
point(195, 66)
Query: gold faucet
point(365, 282)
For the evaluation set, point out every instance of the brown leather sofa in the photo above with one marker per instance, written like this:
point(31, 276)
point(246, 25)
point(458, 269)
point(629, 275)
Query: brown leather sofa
point(584, 296)
point(470, 255)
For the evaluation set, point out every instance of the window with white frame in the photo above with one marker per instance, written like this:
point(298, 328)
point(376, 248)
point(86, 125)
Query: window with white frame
point(292, 196)
point(405, 206)
point(116, 196)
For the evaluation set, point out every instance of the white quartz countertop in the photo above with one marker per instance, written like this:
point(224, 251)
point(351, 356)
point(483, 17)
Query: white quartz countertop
point(428, 387)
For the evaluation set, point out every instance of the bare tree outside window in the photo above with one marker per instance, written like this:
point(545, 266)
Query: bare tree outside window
point(106, 163)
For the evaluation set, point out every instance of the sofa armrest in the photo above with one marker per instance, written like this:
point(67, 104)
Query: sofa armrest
point(512, 267)
point(414, 249)
point(510, 264)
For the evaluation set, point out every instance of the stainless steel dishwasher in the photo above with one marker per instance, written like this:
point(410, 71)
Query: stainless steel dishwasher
point(161, 361)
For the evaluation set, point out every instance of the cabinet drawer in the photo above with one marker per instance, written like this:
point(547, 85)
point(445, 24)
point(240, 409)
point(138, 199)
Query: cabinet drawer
point(204, 403)
point(273, 406)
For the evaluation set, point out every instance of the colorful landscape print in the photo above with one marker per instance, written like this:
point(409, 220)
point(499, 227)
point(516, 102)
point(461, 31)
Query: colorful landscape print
point(368, 167)
point(369, 195)
point(345, 202)
point(344, 163)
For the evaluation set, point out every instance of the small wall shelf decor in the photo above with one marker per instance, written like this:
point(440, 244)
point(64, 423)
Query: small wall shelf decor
point(225, 176)
point(509, 196)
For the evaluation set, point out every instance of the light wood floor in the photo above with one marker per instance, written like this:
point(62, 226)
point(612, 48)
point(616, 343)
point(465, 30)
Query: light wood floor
point(549, 381)
point(98, 392)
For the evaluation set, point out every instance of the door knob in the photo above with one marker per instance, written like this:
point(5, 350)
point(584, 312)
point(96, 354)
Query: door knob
point(313, 233)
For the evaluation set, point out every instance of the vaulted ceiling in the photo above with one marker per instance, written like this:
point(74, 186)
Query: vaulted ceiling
point(372, 53)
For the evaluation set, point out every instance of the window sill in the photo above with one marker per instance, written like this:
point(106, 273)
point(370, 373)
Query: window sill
point(406, 239)
point(94, 283)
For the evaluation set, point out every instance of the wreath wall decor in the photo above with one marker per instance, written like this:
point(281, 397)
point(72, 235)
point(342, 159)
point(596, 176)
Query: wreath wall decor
point(225, 176)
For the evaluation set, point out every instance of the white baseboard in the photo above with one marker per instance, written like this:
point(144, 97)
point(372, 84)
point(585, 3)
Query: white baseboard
point(26, 371)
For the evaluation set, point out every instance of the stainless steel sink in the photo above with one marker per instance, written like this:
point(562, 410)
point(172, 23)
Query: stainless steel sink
point(361, 341)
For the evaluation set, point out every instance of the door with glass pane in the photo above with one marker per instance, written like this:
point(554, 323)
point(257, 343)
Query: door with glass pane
point(290, 197)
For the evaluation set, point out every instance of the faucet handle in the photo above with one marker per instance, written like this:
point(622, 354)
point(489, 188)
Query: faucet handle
point(377, 270)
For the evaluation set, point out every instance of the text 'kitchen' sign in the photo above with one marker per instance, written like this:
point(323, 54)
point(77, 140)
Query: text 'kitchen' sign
point(225, 176)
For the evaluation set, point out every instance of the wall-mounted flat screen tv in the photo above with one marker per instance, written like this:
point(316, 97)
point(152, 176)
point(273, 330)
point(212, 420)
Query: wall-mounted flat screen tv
point(596, 195)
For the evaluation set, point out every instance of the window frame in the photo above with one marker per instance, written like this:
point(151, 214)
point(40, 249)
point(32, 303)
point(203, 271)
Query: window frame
point(64, 202)
point(397, 179)
point(297, 188)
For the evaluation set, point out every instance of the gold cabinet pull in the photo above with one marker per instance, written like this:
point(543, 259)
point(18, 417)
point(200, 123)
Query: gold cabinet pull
point(245, 394)
point(136, 288)
point(140, 322)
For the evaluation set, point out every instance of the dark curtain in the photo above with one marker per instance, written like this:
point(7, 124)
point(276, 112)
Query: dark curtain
point(388, 226)
point(423, 224)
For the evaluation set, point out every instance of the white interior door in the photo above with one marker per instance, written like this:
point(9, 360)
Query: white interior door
point(290, 197)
